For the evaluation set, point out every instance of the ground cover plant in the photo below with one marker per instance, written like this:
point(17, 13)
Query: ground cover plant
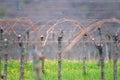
point(71, 70)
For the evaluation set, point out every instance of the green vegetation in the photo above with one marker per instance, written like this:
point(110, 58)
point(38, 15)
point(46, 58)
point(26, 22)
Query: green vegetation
point(71, 70)
point(2, 11)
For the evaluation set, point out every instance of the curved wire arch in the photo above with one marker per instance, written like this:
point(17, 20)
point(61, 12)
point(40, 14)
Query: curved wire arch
point(60, 21)
point(93, 27)
point(23, 21)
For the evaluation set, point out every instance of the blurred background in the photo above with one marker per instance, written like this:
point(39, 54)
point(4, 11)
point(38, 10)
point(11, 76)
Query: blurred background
point(84, 11)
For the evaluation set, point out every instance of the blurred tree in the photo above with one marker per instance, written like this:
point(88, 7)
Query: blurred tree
point(2, 11)
point(27, 1)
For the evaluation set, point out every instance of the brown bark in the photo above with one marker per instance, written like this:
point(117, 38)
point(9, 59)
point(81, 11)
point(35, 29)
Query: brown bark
point(84, 66)
point(42, 58)
point(59, 54)
point(37, 70)
point(5, 66)
point(59, 66)
point(43, 70)
point(36, 61)
point(115, 66)
point(110, 53)
point(22, 60)
point(0, 68)
point(102, 67)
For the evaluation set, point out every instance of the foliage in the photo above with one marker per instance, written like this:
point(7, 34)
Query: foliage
point(2, 11)
point(71, 70)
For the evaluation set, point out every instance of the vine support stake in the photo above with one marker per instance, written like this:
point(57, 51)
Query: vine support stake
point(101, 61)
point(115, 38)
point(100, 48)
point(1, 38)
point(59, 54)
point(43, 60)
point(84, 56)
point(22, 58)
point(102, 66)
point(0, 68)
point(26, 44)
point(115, 66)
point(6, 59)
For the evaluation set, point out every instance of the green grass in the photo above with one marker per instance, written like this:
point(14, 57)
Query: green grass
point(71, 70)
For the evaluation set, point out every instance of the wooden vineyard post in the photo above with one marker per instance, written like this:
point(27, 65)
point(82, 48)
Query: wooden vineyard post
point(43, 60)
point(100, 49)
point(1, 38)
point(115, 66)
point(6, 59)
point(101, 62)
point(22, 66)
point(84, 57)
point(59, 54)
point(36, 59)
point(22, 58)
point(115, 38)
point(27, 40)
point(110, 52)
point(36, 63)
point(102, 66)
point(0, 67)
point(84, 67)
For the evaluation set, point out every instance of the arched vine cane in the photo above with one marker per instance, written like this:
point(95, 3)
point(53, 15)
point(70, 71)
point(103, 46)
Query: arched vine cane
point(32, 25)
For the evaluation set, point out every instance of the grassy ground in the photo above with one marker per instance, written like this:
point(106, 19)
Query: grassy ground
point(71, 70)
